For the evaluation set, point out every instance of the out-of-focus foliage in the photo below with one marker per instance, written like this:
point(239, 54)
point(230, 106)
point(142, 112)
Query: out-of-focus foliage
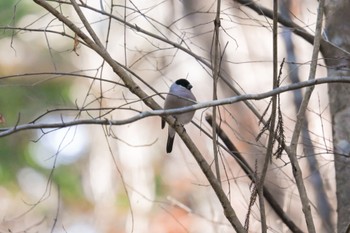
point(18, 104)
point(24, 98)
point(11, 11)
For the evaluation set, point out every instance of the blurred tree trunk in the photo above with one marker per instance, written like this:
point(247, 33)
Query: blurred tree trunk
point(337, 30)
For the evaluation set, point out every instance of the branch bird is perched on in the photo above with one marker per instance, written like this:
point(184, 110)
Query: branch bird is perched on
point(179, 96)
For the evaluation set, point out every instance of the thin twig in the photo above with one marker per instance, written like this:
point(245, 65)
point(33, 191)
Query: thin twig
point(322, 203)
point(216, 71)
point(299, 123)
point(271, 138)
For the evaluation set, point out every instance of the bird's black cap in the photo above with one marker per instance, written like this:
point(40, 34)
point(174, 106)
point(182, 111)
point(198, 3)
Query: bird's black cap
point(185, 83)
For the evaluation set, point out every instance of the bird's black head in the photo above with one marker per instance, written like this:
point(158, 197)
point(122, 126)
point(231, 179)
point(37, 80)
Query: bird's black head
point(183, 82)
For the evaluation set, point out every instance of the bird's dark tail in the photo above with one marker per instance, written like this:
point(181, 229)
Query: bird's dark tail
point(163, 123)
point(169, 144)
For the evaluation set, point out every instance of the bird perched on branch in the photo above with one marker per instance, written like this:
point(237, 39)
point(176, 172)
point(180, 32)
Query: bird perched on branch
point(179, 96)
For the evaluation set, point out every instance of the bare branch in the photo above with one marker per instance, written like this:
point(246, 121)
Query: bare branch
point(161, 112)
point(216, 71)
point(299, 123)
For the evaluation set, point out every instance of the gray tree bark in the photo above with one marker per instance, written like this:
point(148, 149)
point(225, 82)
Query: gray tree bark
point(337, 31)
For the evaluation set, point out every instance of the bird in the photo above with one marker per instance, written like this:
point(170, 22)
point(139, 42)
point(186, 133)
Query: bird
point(179, 96)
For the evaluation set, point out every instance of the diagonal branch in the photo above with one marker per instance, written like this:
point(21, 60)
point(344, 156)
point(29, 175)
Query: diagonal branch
point(135, 89)
point(299, 123)
point(285, 21)
point(250, 173)
point(261, 10)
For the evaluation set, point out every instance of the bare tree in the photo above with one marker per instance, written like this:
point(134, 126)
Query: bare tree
point(126, 54)
point(337, 60)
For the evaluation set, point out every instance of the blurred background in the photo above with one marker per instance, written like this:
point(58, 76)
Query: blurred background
point(119, 178)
